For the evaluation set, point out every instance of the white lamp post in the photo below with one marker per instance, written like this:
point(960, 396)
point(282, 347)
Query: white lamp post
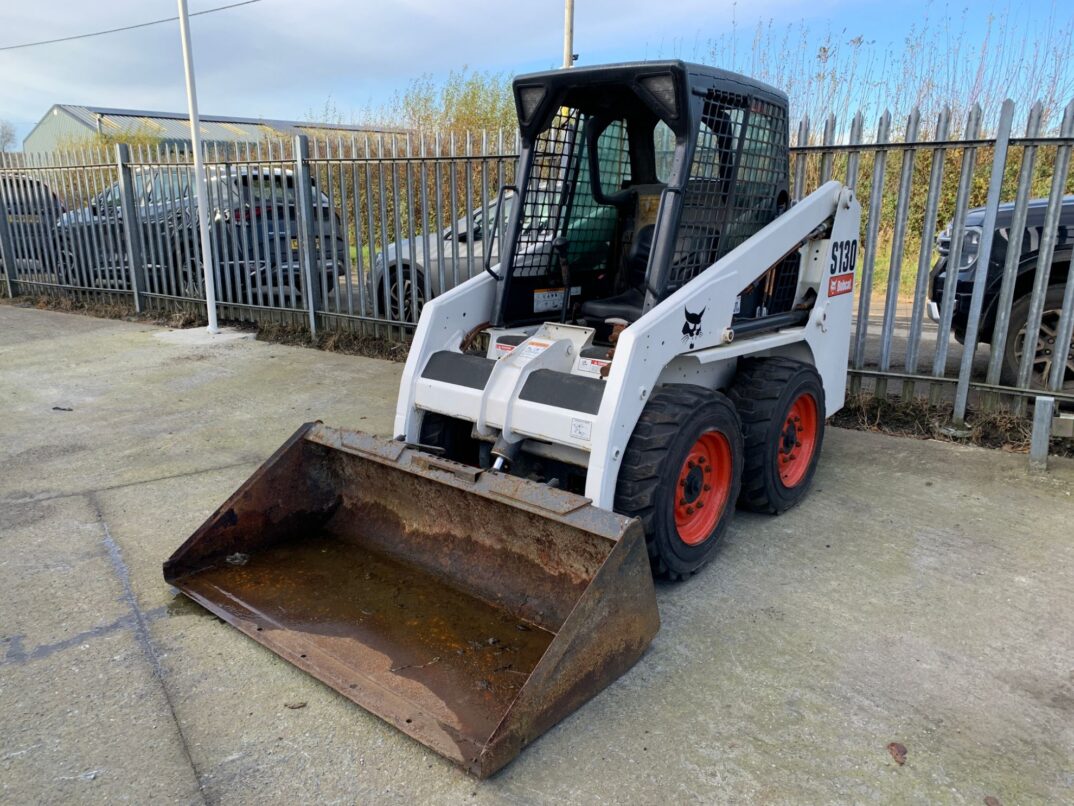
point(202, 194)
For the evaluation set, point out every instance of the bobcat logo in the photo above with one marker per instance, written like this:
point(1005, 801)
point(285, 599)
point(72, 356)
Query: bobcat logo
point(691, 328)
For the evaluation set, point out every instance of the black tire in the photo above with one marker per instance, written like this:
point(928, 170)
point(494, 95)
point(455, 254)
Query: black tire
point(1042, 359)
point(390, 306)
point(652, 478)
point(764, 392)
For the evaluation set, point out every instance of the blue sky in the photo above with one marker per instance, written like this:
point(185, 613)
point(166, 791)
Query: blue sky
point(285, 58)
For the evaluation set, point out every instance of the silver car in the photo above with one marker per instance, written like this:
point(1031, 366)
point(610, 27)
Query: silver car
point(423, 265)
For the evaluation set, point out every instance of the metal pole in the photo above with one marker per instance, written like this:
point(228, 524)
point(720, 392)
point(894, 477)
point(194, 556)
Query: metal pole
point(129, 224)
point(201, 192)
point(568, 33)
point(984, 253)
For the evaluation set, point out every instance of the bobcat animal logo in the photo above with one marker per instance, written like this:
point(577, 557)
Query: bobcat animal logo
point(691, 328)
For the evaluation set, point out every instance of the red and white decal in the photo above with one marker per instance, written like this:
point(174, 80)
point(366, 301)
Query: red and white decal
point(840, 284)
point(592, 365)
point(504, 348)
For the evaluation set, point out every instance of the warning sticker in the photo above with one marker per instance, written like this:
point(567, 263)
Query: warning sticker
point(534, 348)
point(592, 365)
point(581, 429)
point(551, 299)
point(547, 299)
point(840, 284)
point(504, 349)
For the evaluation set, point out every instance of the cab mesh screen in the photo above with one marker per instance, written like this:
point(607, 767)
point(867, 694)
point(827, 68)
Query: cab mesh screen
point(737, 172)
point(558, 198)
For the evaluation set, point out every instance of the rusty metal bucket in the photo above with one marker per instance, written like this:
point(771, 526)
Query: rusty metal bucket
point(471, 610)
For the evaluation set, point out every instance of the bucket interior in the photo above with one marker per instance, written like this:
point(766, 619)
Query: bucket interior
point(426, 603)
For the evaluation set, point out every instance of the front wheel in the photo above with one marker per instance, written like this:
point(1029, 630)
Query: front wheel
point(680, 475)
point(1045, 347)
point(781, 403)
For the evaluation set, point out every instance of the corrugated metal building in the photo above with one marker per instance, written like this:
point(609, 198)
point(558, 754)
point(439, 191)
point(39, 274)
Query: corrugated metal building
point(66, 125)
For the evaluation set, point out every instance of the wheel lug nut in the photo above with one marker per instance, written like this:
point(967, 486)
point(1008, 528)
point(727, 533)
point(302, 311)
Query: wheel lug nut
point(708, 469)
point(682, 502)
point(707, 488)
point(700, 504)
point(689, 510)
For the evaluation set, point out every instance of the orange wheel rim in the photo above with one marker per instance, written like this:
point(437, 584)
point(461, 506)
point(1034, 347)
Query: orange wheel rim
point(703, 487)
point(797, 440)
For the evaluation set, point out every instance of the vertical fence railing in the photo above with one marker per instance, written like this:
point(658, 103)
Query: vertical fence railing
point(358, 231)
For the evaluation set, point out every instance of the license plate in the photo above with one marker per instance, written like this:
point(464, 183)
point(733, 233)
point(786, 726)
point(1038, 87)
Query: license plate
point(316, 244)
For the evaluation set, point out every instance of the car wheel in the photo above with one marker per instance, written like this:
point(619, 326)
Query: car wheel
point(1045, 348)
point(410, 291)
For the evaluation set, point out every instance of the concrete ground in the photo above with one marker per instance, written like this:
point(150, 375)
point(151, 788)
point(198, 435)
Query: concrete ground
point(924, 594)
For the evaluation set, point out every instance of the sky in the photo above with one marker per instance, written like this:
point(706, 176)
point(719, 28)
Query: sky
point(288, 58)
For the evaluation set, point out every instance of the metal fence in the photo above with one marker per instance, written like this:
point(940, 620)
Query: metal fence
point(358, 233)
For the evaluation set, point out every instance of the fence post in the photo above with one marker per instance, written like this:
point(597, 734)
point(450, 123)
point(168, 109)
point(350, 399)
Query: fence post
point(856, 126)
point(828, 142)
point(872, 232)
point(1046, 250)
point(1043, 408)
point(1014, 253)
point(801, 158)
point(304, 193)
point(1061, 346)
point(7, 246)
point(898, 241)
point(135, 266)
point(954, 257)
point(924, 257)
point(984, 253)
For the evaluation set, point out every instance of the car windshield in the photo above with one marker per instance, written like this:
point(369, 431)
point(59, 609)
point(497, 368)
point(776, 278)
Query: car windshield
point(266, 188)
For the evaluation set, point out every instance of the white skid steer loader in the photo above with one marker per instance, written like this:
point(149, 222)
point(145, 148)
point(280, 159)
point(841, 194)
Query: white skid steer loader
point(663, 339)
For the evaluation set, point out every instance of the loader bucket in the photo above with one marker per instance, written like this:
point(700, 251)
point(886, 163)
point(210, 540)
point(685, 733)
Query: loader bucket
point(472, 610)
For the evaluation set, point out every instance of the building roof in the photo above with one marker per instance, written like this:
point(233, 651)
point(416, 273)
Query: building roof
point(176, 125)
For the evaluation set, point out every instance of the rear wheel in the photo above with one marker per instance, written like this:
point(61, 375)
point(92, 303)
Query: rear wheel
point(681, 474)
point(410, 289)
point(781, 403)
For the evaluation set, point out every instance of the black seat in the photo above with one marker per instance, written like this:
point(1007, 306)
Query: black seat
point(626, 305)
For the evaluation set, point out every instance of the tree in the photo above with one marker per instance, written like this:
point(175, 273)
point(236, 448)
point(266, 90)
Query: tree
point(7, 136)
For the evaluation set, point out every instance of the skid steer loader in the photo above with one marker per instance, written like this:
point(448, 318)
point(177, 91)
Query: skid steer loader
point(662, 340)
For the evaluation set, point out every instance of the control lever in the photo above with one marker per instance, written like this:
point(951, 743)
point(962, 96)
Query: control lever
point(559, 248)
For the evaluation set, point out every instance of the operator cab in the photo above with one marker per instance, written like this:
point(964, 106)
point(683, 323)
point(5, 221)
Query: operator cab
point(634, 179)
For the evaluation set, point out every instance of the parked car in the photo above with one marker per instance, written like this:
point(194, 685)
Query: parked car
point(1029, 243)
point(254, 230)
point(454, 255)
point(33, 209)
point(422, 275)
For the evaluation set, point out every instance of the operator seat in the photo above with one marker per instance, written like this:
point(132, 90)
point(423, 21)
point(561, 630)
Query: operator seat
point(626, 305)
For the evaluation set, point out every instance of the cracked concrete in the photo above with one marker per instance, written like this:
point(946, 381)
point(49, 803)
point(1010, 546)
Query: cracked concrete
point(924, 594)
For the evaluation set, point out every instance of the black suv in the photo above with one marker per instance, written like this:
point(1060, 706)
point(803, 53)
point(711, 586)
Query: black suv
point(1027, 264)
point(254, 228)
